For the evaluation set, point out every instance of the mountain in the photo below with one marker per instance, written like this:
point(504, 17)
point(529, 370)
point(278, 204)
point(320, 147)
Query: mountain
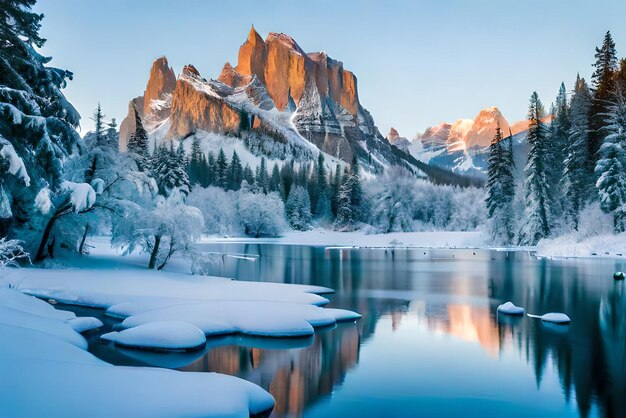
point(278, 102)
point(462, 146)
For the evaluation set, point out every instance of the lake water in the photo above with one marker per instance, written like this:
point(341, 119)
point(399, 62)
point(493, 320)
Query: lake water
point(430, 343)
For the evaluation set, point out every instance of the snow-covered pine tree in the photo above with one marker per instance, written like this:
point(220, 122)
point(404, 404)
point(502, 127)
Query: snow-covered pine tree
point(235, 175)
point(248, 175)
point(576, 183)
point(286, 179)
point(611, 167)
point(556, 150)
point(298, 209)
point(334, 189)
point(536, 221)
point(195, 163)
point(500, 190)
point(221, 170)
point(261, 180)
point(346, 214)
point(98, 119)
point(603, 87)
point(36, 121)
point(356, 193)
point(169, 170)
point(274, 181)
point(138, 144)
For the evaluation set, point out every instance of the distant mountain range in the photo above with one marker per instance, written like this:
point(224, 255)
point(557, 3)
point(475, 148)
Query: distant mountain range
point(278, 102)
point(461, 146)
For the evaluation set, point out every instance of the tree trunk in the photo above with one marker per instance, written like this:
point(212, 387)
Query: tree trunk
point(155, 252)
point(44, 239)
point(81, 248)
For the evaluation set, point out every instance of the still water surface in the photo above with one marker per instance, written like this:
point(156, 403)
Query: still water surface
point(430, 343)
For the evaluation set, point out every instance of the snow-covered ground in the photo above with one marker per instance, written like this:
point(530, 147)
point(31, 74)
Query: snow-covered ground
point(604, 245)
point(46, 371)
point(323, 237)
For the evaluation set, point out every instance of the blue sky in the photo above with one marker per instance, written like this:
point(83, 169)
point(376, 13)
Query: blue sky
point(418, 63)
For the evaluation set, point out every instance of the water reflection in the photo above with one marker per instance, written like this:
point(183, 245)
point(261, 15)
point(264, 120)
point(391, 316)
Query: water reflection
point(430, 342)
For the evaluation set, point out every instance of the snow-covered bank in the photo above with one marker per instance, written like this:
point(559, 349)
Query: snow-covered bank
point(571, 246)
point(323, 237)
point(214, 305)
point(47, 372)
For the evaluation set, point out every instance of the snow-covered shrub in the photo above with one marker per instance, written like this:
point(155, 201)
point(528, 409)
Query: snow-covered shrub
point(219, 209)
point(261, 215)
point(393, 202)
point(400, 202)
point(594, 221)
point(11, 252)
point(298, 209)
point(168, 228)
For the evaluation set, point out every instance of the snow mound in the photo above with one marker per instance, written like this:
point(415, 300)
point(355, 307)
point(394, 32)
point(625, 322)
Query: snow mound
point(509, 308)
point(13, 299)
point(82, 195)
point(84, 324)
point(45, 325)
point(164, 335)
point(44, 373)
point(554, 317)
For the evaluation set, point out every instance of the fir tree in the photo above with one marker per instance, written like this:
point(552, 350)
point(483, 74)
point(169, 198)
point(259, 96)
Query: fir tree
point(611, 167)
point(286, 179)
point(261, 181)
point(98, 119)
point(356, 194)
point(169, 170)
point(500, 189)
point(559, 138)
point(209, 171)
point(138, 143)
point(298, 209)
point(196, 163)
point(575, 174)
point(221, 170)
point(603, 84)
point(248, 175)
point(536, 222)
point(274, 181)
point(37, 123)
point(235, 176)
point(334, 190)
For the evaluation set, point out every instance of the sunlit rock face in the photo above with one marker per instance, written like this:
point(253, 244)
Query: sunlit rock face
point(196, 104)
point(276, 92)
point(321, 93)
point(154, 105)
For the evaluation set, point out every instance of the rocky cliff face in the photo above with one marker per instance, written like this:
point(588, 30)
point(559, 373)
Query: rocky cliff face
point(276, 88)
point(154, 105)
point(321, 93)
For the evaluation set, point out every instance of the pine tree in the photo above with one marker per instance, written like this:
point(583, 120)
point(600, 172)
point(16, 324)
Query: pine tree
point(286, 179)
point(356, 194)
point(559, 138)
point(37, 123)
point(298, 209)
point(274, 181)
point(611, 167)
point(248, 175)
point(195, 162)
point(603, 84)
point(261, 181)
point(221, 170)
point(334, 190)
point(500, 189)
point(169, 170)
point(210, 172)
point(536, 222)
point(98, 119)
point(138, 143)
point(576, 182)
point(235, 176)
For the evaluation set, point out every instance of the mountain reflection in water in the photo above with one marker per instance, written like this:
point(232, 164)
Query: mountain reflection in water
point(430, 342)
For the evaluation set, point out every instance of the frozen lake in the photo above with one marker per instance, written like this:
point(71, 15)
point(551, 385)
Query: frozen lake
point(430, 342)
